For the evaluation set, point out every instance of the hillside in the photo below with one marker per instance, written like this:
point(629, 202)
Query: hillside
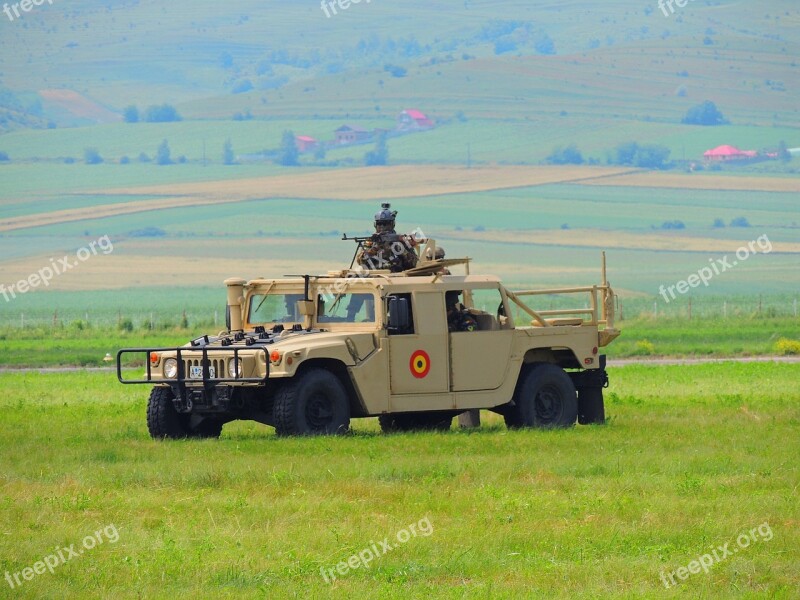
point(618, 59)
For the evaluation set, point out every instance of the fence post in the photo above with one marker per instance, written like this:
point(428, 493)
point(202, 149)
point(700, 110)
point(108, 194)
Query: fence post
point(795, 307)
point(22, 320)
point(690, 308)
point(655, 309)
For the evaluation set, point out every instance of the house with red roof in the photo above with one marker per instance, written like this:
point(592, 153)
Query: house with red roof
point(306, 143)
point(729, 153)
point(412, 119)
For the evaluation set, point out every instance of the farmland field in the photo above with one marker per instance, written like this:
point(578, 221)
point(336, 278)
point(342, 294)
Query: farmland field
point(590, 512)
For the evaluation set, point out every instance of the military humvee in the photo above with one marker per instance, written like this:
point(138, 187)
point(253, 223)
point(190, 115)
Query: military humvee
point(306, 354)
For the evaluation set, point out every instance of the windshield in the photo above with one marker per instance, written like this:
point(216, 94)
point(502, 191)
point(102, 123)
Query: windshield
point(274, 308)
point(346, 308)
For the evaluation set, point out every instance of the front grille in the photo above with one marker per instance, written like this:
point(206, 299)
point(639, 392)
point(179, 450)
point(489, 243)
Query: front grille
point(216, 367)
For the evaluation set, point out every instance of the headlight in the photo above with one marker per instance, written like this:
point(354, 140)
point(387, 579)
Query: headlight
point(170, 368)
point(232, 372)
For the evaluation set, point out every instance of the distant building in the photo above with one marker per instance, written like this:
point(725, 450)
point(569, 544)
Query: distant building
point(412, 119)
point(351, 134)
point(305, 143)
point(729, 153)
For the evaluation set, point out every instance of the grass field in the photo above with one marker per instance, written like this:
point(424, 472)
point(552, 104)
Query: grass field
point(587, 512)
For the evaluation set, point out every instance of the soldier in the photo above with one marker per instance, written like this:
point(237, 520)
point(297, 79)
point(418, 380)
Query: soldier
point(385, 249)
point(458, 317)
point(438, 255)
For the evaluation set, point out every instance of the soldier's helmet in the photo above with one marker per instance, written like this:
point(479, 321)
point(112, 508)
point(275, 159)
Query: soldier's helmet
point(437, 255)
point(384, 218)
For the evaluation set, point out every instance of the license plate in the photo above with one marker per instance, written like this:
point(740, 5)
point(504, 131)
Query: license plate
point(197, 372)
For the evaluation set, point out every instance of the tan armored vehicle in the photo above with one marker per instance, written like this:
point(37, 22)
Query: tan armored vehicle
point(306, 354)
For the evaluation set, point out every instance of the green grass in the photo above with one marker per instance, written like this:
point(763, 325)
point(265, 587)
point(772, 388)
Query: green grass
point(691, 458)
point(735, 336)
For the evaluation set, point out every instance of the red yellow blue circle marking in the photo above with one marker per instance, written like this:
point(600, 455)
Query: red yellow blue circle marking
point(420, 364)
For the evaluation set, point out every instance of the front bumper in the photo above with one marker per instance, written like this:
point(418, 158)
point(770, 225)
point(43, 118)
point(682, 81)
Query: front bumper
point(200, 357)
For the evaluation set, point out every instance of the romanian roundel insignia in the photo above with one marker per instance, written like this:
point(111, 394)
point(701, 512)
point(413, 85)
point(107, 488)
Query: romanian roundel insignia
point(420, 364)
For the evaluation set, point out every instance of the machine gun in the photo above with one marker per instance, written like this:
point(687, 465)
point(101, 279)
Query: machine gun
point(375, 238)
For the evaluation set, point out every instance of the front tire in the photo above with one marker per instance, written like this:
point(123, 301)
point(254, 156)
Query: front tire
point(313, 403)
point(545, 398)
point(164, 422)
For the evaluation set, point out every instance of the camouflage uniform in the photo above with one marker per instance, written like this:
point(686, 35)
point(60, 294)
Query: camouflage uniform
point(389, 251)
point(386, 249)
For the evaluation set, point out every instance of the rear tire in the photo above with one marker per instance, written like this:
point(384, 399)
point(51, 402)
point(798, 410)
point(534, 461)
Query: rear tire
point(545, 398)
point(164, 422)
point(313, 403)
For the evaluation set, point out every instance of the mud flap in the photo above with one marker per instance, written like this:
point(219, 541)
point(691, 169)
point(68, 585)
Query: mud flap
point(590, 384)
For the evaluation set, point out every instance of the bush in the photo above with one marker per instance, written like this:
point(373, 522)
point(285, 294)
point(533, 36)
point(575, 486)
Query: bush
point(395, 70)
point(228, 157)
point(148, 232)
point(785, 347)
point(706, 114)
point(242, 86)
point(288, 152)
point(4, 157)
point(740, 222)
point(131, 114)
point(124, 160)
point(565, 156)
point(126, 325)
point(648, 156)
point(163, 154)
point(143, 158)
point(644, 348)
point(504, 46)
point(92, 157)
point(719, 223)
point(380, 155)
point(165, 113)
point(673, 225)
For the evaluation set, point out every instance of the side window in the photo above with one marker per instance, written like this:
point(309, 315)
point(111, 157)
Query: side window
point(406, 298)
point(487, 309)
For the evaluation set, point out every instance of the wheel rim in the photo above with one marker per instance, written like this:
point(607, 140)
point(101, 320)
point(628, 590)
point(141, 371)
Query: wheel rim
point(319, 411)
point(547, 404)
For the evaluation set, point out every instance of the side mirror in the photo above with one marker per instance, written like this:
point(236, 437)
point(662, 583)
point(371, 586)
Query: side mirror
point(399, 314)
